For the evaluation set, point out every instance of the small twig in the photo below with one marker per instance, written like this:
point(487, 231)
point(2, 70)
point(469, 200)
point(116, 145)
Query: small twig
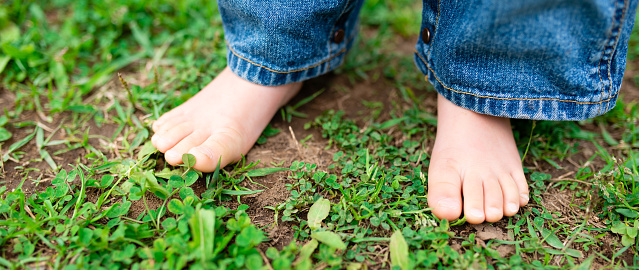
point(570, 180)
point(419, 159)
point(340, 102)
point(265, 259)
point(75, 257)
point(132, 220)
point(577, 230)
point(43, 126)
point(565, 175)
point(26, 208)
point(573, 162)
point(299, 150)
point(2, 161)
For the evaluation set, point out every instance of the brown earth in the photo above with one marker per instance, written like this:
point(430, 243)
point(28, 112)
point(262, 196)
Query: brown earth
point(340, 94)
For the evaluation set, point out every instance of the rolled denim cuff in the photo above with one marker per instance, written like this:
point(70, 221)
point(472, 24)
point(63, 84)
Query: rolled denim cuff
point(544, 60)
point(269, 75)
point(275, 43)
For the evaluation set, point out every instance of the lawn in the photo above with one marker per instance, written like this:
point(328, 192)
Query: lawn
point(337, 180)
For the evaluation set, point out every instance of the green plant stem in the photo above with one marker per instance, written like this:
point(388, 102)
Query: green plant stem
point(82, 193)
point(529, 140)
point(148, 210)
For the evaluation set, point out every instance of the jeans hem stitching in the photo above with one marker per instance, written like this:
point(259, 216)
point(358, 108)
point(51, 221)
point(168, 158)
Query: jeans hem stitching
point(504, 98)
point(286, 72)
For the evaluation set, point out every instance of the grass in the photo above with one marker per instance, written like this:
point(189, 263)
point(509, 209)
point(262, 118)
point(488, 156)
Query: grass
point(82, 187)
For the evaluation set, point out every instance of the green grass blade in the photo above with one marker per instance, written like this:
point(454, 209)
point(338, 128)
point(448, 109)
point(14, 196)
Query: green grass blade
point(15, 146)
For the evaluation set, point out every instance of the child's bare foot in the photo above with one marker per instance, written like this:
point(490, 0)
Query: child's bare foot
point(223, 120)
point(474, 157)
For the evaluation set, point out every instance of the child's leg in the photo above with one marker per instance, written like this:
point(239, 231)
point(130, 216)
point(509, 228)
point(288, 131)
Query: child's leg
point(550, 60)
point(474, 155)
point(273, 47)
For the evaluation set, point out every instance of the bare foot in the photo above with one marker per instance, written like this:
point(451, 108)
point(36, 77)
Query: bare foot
point(223, 120)
point(474, 158)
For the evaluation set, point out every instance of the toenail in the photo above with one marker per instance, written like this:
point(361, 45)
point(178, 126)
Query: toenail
point(494, 211)
point(162, 142)
point(448, 203)
point(154, 138)
point(203, 150)
point(172, 155)
point(524, 196)
point(476, 213)
point(512, 208)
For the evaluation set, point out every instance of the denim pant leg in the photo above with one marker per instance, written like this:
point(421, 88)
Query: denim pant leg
point(276, 42)
point(532, 59)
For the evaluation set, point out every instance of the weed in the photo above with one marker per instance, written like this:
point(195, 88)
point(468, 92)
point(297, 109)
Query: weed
point(83, 188)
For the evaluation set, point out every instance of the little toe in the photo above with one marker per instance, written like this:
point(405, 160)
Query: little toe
point(522, 186)
point(174, 155)
point(473, 190)
point(222, 147)
point(493, 200)
point(511, 195)
point(444, 192)
point(165, 140)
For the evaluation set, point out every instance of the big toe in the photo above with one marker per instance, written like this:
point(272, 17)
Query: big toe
point(446, 208)
point(221, 148)
point(444, 193)
point(167, 139)
point(174, 155)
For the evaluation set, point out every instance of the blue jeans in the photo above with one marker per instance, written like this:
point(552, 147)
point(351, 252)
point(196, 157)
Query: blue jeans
point(531, 59)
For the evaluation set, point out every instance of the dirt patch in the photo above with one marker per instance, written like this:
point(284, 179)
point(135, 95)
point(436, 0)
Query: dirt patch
point(280, 150)
point(487, 232)
point(629, 92)
point(30, 165)
point(287, 146)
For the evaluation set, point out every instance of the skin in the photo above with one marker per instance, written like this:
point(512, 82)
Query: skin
point(475, 165)
point(475, 158)
point(223, 120)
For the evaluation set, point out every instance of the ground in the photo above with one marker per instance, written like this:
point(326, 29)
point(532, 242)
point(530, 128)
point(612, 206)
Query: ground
point(81, 186)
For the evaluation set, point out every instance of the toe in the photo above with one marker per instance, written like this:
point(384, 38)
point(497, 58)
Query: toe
point(167, 139)
point(156, 125)
point(162, 121)
point(522, 186)
point(222, 147)
point(473, 190)
point(167, 124)
point(493, 199)
point(511, 195)
point(444, 192)
point(174, 155)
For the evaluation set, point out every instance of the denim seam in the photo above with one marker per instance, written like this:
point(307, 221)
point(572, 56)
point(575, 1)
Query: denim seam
point(285, 72)
point(439, 8)
point(614, 47)
point(503, 98)
point(328, 45)
point(603, 52)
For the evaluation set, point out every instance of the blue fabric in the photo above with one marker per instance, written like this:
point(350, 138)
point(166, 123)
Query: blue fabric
point(543, 59)
point(533, 59)
point(276, 42)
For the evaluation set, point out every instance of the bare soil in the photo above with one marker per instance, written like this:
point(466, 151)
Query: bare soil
point(340, 94)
